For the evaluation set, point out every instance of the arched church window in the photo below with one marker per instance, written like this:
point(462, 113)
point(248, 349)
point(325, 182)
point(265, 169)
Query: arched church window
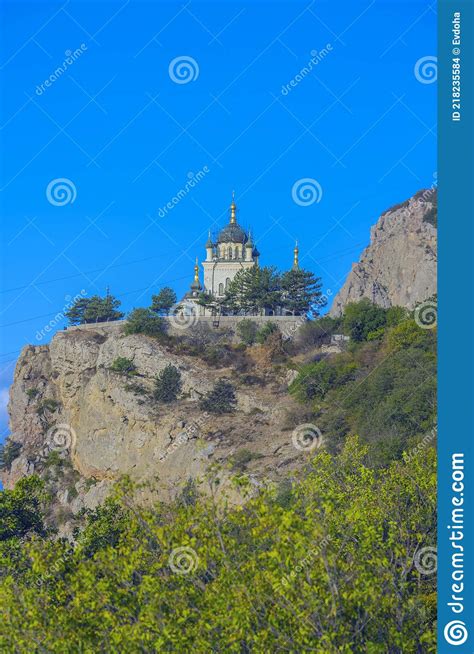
point(230, 252)
point(221, 289)
point(227, 282)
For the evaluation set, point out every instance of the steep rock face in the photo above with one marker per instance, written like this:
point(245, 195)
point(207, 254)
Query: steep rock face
point(399, 265)
point(102, 425)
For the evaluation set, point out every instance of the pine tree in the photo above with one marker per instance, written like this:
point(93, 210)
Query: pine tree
point(101, 309)
point(163, 302)
point(301, 292)
point(168, 384)
point(253, 290)
point(75, 314)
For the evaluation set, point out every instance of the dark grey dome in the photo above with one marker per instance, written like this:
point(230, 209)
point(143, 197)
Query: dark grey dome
point(232, 233)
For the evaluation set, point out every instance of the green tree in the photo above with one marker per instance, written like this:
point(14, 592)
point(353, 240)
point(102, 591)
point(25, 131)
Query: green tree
point(21, 509)
point(162, 303)
point(144, 321)
point(341, 549)
point(94, 309)
point(221, 399)
point(103, 529)
point(252, 290)
point(75, 314)
point(168, 384)
point(102, 309)
point(363, 318)
point(301, 292)
point(247, 331)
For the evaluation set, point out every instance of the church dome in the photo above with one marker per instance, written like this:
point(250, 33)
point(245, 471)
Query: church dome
point(232, 233)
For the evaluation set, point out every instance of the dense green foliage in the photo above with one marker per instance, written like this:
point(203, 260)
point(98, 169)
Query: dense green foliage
point(325, 565)
point(144, 321)
point(168, 384)
point(362, 319)
point(94, 309)
point(20, 509)
point(221, 399)
point(301, 291)
point(163, 302)
point(383, 389)
point(256, 289)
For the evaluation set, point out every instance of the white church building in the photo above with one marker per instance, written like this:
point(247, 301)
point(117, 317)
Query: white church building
point(231, 251)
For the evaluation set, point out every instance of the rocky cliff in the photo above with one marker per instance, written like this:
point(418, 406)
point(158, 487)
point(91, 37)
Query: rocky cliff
point(81, 425)
point(399, 265)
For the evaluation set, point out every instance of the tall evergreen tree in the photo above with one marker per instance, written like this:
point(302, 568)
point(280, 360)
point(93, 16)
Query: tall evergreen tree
point(75, 314)
point(301, 292)
point(94, 309)
point(252, 290)
point(163, 302)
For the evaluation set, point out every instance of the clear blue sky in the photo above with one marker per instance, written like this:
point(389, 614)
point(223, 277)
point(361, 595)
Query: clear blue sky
point(128, 137)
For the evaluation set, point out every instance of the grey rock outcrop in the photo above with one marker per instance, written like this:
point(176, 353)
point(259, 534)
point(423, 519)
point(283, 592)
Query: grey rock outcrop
point(399, 266)
point(82, 426)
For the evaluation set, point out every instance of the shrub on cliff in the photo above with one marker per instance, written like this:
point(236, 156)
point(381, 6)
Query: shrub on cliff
point(168, 384)
point(144, 321)
point(265, 331)
point(124, 366)
point(221, 399)
point(247, 331)
point(362, 319)
point(9, 451)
